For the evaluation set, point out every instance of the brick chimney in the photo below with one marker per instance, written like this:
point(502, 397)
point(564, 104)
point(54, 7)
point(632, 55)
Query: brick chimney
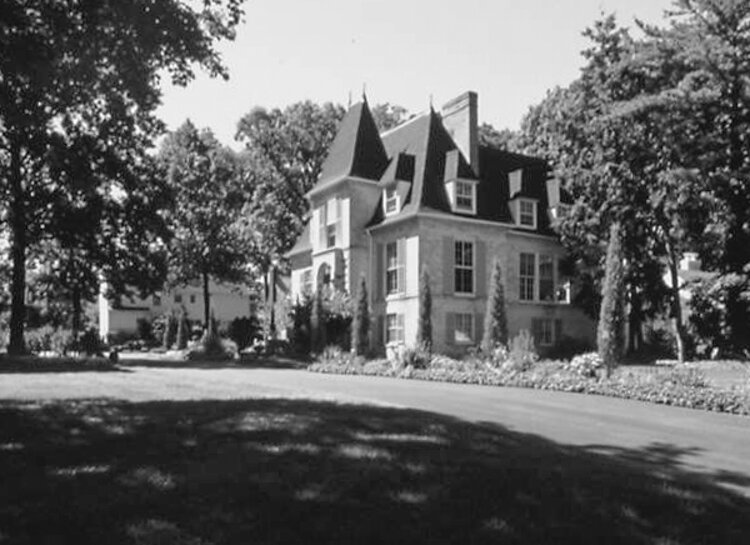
point(460, 120)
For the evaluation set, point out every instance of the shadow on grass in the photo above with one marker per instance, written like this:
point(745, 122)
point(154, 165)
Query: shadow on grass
point(297, 471)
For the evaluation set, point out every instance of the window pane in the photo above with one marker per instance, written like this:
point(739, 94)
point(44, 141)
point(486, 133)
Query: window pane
point(463, 324)
point(526, 277)
point(546, 278)
point(464, 267)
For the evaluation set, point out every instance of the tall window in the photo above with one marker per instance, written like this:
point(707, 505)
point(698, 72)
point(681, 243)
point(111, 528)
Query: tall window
point(527, 213)
point(391, 201)
point(546, 278)
point(527, 277)
point(307, 281)
point(463, 327)
point(394, 328)
point(394, 267)
point(465, 196)
point(464, 267)
point(329, 221)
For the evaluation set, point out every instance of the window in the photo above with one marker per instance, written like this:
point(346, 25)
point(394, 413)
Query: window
point(394, 328)
point(464, 267)
point(306, 281)
point(546, 332)
point(178, 298)
point(465, 197)
point(463, 328)
point(329, 218)
point(157, 301)
point(527, 213)
point(546, 278)
point(527, 277)
point(192, 299)
point(394, 267)
point(561, 211)
point(391, 201)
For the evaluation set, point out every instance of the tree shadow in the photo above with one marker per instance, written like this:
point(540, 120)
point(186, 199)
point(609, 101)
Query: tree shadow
point(34, 364)
point(289, 471)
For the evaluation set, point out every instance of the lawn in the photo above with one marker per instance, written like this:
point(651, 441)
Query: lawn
point(288, 471)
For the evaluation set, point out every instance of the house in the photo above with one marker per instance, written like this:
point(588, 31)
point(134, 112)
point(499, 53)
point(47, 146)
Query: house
point(426, 194)
point(121, 317)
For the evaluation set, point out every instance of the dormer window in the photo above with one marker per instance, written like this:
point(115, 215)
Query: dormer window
point(463, 196)
point(526, 216)
point(560, 211)
point(391, 201)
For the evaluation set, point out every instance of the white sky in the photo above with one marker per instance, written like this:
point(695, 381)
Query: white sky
point(509, 51)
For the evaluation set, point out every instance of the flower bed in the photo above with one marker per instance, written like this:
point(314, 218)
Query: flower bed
point(679, 386)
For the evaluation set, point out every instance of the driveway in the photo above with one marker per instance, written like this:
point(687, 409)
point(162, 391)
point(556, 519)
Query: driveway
point(714, 445)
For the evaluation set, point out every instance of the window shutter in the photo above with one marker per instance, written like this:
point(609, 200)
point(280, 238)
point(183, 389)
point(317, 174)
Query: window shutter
point(322, 227)
point(450, 334)
point(449, 262)
point(478, 327)
point(379, 272)
point(480, 268)
point(558, 331)
point(401, 259)
point(536, 330)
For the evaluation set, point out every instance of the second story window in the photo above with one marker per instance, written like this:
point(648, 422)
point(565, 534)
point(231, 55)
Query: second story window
point(394, 267)
point(391, 201)
point(546, 278)
point(178, 298)
point(329, 218)
point(527, 213)
point(527, 277)
point(464, 267)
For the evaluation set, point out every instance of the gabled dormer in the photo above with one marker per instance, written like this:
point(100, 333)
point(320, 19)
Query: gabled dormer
point(460, 185)
point(396, 182)
point(524, 208)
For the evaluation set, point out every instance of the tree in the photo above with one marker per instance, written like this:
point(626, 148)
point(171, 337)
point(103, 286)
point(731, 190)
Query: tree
point(611, 326)
point(170, 331)
point(317, 323)
point(504, 139)
point(387, 116)
point(424, 325)
point(361, 321)
point(284, 153)
point(183, 331)
point(496, 317)
point(59, 94)
point(209, 193)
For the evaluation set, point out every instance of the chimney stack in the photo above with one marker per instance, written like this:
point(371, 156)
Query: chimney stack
point(460, 120)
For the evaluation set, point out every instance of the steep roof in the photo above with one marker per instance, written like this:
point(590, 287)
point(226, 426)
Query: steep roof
point(356, 150)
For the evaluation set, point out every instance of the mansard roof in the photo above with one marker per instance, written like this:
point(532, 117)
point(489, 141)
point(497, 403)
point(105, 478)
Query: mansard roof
point(419, 156)
point(357, 149)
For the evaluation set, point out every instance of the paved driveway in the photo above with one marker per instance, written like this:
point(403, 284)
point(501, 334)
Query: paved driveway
point(713, 444)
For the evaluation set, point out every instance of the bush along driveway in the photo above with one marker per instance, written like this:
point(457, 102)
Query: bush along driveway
point(682, 386)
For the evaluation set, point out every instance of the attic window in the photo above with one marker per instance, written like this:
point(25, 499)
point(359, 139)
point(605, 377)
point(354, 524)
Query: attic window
point(526, 213)
point(463, 196)
point(391, 201)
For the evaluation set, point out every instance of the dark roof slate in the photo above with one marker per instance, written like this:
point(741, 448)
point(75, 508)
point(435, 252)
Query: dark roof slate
point(356, 150)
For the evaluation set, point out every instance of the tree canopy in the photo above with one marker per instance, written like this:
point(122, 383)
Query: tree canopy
point(79, 86)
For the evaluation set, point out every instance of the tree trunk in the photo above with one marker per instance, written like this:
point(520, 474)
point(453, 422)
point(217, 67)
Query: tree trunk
point(679, 330)
point(17, 213)
point(206, 301)
point(77, 312)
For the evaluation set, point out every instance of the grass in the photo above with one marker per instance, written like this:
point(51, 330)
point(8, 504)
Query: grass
point(286, 471)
